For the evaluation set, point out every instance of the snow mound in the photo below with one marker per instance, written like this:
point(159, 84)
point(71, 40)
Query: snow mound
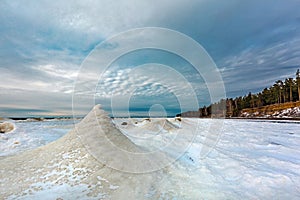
point(157, 125)
point(6, 127)
point(65, 168)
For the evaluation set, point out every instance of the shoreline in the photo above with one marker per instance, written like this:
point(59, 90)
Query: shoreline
point(267, 118)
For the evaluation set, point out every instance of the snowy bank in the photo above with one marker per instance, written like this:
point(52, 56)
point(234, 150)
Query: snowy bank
point(285, 113)
point(282, 110)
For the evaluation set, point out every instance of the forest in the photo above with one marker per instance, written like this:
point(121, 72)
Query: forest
point(282, 91)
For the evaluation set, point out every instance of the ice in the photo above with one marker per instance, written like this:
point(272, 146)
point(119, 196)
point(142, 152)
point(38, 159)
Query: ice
point(58, 192)
point(251, 160)
point(32, 134)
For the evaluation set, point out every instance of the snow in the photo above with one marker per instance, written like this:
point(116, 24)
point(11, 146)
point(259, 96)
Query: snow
point(290, 112)
point(286, 113)
point(32, 134)
point(58, 192)
point(251, 159)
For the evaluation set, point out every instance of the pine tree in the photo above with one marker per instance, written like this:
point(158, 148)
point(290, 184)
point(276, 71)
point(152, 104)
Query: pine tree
point(289, 86)
point(280, 92)
point(298, 83)
point(279, 85)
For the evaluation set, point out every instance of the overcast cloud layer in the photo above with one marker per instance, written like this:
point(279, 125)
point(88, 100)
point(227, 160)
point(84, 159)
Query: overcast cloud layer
point(43, 43)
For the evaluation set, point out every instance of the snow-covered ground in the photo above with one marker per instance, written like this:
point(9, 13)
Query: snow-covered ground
point(31, 134)
point(252, 160)
point(249, 159)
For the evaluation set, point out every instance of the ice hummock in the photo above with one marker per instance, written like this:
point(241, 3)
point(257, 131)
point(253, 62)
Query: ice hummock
point(65, 168)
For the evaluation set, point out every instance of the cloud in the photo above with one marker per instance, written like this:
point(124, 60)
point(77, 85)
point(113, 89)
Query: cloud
point(18, 102)
point(43, 44)
point(259, 67)
point(145, 85)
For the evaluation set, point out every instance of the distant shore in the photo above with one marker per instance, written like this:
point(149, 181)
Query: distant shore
point(283, 111)
point(36, 119)
point(267, 118)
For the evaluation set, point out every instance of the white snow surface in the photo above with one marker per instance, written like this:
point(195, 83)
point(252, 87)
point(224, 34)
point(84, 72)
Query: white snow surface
point(32, 134)
point(251, 160)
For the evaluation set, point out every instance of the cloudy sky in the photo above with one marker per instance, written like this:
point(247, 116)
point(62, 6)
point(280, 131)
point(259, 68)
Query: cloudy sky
point(44, 43)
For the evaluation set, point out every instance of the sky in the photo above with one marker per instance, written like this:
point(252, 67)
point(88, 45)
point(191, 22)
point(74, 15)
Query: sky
point(43, 46)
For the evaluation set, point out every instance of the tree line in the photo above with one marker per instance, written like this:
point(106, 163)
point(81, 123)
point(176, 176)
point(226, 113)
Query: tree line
point(281, 91)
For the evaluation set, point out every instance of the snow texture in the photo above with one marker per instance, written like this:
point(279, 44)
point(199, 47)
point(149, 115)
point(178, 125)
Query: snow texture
point(31, 134)
point(252, 160)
